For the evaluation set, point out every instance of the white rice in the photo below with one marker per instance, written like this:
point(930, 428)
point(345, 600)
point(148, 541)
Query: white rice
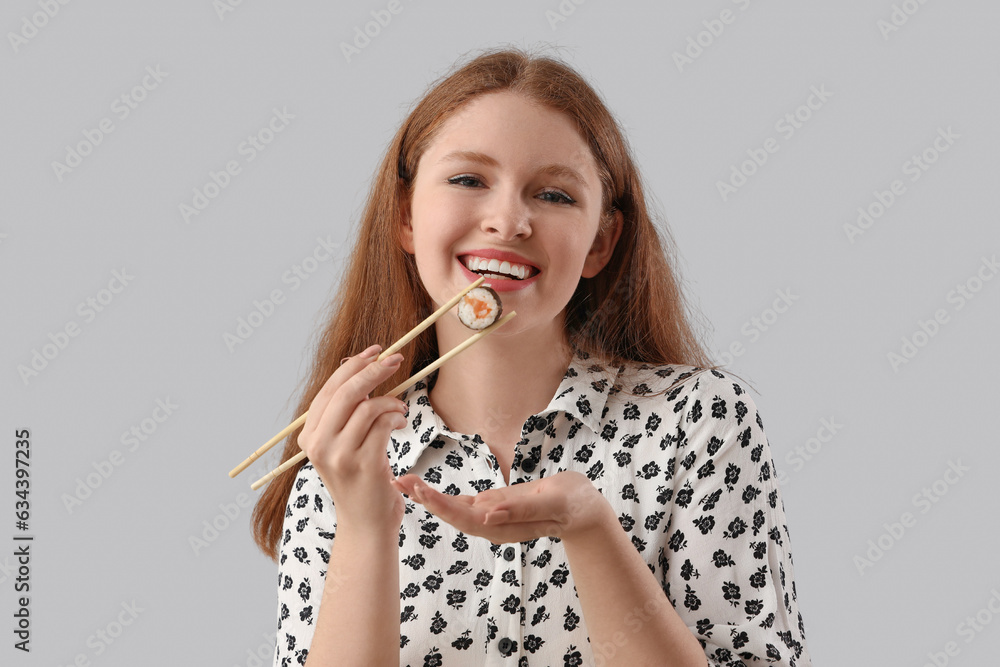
point(466, 309)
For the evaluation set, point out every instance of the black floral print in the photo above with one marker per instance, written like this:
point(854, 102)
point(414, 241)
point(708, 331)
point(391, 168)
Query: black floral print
point(688, 471)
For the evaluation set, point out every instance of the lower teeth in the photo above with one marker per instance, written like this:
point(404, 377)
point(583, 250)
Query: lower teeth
point(497, 276)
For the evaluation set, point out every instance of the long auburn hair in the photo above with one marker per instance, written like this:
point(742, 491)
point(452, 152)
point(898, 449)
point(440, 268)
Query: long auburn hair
point(633, 310)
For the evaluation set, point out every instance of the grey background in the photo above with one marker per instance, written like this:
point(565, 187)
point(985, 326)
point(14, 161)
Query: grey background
point(162, 336)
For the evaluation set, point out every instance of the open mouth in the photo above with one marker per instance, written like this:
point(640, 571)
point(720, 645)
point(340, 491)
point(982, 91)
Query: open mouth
point(497, 270)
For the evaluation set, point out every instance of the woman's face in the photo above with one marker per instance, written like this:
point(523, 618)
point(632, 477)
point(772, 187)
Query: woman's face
point(508, 180)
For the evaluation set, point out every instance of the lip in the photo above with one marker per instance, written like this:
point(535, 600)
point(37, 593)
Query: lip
point(501, 256)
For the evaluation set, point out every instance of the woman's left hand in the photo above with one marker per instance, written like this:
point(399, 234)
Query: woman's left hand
point(566, 505)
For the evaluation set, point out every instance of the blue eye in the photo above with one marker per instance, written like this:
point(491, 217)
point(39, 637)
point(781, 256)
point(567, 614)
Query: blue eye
point(561, 198)
point(464, 181)
point(551, 196)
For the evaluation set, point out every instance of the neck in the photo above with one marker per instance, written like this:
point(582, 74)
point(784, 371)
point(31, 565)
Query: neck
point(503, 379)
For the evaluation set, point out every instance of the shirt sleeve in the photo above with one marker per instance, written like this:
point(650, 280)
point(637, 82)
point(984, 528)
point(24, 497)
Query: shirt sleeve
point(304, 554)
point(729, 572)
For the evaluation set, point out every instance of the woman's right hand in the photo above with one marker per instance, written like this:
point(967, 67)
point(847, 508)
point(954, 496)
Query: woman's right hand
point(345, 437)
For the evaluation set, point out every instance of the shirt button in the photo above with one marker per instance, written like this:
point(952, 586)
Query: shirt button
point(505, 645)
point(528, 465)
point(508, 553)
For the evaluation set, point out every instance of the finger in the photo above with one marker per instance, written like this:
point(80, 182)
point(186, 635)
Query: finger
point(359, 453)
point(363, 439)
point(409, 482)
point(354, 391)
point(455, 510)
point(501, 496)
point(527, 507)
point(404, 484)
point(542, 502)
point(473, 521)
point(509, 533)
point(371, 450)
point(347, 368)
point(460, 511)
point(495, 517)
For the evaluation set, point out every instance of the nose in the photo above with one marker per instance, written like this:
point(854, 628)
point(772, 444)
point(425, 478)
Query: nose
point(511, 219)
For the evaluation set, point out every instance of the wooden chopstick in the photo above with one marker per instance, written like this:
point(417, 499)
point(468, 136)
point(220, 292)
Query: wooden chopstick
point(399, 389)
point(398, 345)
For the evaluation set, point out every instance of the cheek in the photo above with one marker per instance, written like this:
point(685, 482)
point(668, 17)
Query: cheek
point(444, 222)
point(572, 248)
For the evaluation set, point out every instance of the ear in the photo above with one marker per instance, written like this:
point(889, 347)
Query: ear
point(603, 247)
point(405, 228)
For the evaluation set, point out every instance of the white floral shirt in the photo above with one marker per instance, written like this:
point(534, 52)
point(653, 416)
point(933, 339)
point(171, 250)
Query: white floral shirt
point(689, 473)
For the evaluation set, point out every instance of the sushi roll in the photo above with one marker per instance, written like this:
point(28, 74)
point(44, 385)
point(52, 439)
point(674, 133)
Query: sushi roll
point(480, 307)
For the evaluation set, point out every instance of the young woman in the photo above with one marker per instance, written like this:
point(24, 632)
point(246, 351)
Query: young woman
point(580, 487)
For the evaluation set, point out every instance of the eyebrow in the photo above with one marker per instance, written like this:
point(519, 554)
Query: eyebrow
point(482, 158)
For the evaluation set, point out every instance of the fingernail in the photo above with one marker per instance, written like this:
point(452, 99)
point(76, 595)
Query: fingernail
point(392, 360)
point(371, 351)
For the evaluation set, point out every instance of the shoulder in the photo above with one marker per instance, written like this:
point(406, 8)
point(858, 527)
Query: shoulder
point(675, 382)
point(695, 396)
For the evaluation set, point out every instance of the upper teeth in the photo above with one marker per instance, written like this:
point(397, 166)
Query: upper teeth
point(519, 271)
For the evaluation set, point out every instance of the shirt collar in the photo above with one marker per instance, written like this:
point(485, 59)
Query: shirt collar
point(582, 394)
